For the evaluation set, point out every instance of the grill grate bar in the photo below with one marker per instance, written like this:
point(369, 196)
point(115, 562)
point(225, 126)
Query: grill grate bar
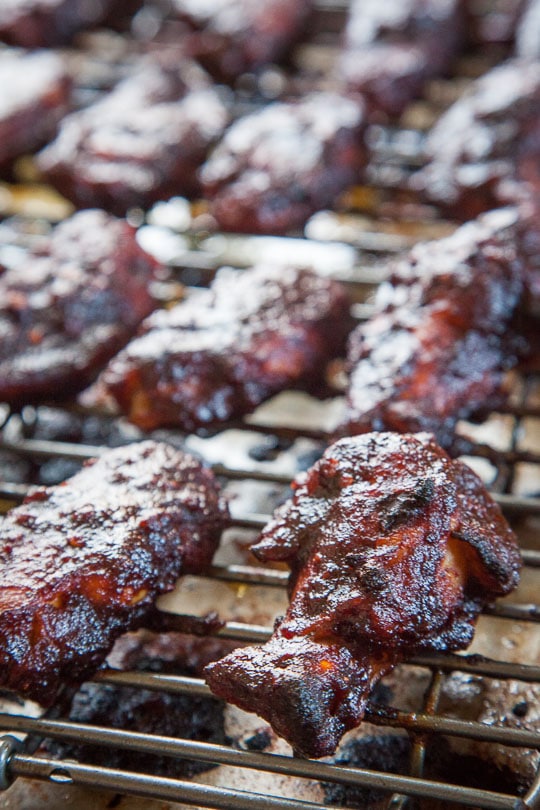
point(177, 790)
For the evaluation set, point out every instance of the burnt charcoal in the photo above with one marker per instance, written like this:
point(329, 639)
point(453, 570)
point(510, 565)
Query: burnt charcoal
point(393, 548)
point(230, 37)
point(143, 142)
point(485, 149)
point(35, 97)
point(69, 306)
point(84, 562)
point(141, 710)
point(37, 23)
point(389, 754)
point(393, 48)
point(224, 350)
point(439, 343)
point(277, 166)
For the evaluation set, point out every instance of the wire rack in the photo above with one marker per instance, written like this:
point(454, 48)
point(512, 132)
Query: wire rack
point(355, 244)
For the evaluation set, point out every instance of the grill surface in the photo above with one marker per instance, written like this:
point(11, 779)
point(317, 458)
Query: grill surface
point(505, 449)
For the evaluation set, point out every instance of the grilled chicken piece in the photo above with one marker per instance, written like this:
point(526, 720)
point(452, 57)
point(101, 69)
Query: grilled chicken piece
point(71, 304)
point(220, 353)
point(36, 23)
point(487, 138)
point(528, 32)
point(230, 37)
point(392, 48)
point(34, 98)
point(393, 549)
point(83, 562)
point(440, 341)
point(277, 166)
point(143, 142)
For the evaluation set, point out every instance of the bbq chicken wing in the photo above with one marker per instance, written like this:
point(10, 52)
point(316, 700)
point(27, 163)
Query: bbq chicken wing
point(393, 549)
point(83, 562)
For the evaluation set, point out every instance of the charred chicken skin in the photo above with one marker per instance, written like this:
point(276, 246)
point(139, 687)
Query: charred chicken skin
point(486, 148)
point(393, 48)
point(393, 549)
point(230, 37)
point(223, 351)
point(71, 304)
point(440, 341)
point(143, 142)
point(34, 97)
point(277, 166)
point(83, 562)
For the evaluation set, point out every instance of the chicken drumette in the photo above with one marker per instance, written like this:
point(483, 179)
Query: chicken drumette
point(393, 549)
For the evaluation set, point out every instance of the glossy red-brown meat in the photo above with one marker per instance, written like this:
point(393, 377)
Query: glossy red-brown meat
point(438, 345)
point(223, 351)
point(277, 166)
point(69, 306)
point(34, 97)
point(488, 137)
point(393, 549)
point(392, 48)
point(84, 561)
point(143, 142)
point(36, 23)
point(230, 37)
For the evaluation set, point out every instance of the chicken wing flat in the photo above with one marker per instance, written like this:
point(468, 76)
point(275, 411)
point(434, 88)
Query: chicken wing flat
point(220, 353)
point(393, 549)
point(34, 98)
point(70, 306)
point(230, 37)
point(143, 142)
point(488, 137)
point(277, 166)
point(37, 23)
point(438, 346)
point(84, 561)
point(393, 48)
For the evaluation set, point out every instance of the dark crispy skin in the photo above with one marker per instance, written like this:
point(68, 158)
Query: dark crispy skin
point(528, 32)
point(34, 98)
point(393, 549)
point(490, 135)
point(223, 351)
point(37, 23)
point(230, 37)
point(392, 48)
point(69, 306)
point(277, 166)
point(84, 561)
point(437, 347)
point(143, 142)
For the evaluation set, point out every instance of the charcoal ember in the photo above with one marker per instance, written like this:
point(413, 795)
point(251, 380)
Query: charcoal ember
point(528, 32)
point(441, 338)
point(485, 149)
point(224, 350)
point(131, 709)
point(70, 305)
point(143, 142)
point(393, 549)
point(84, 562)
point(38, 23)
point(35, 97)
point(277, 166)
point(230, 37)
point(391, 49)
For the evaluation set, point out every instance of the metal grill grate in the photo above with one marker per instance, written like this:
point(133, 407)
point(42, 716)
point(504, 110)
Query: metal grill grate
point(354, 245)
